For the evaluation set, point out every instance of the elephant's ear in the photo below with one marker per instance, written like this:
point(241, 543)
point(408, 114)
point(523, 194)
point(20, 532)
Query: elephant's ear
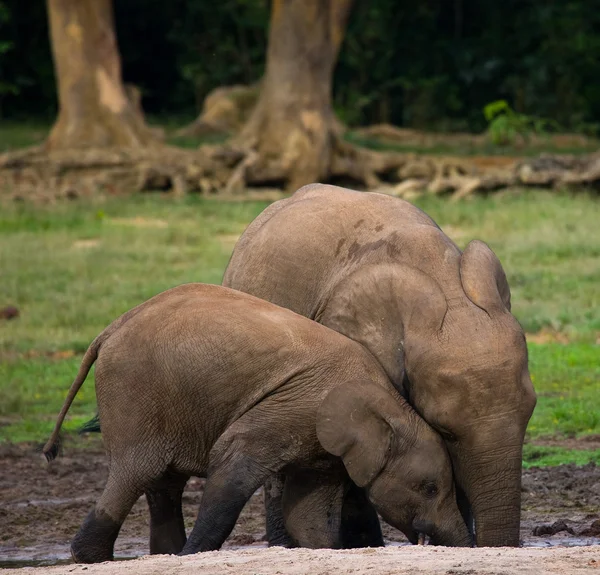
point(351, 424)
point(381, 307)
point(483, 278)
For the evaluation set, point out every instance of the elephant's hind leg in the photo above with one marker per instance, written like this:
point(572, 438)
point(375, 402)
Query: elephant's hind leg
point(167, 530)
point(127, 481)
point(95, 539)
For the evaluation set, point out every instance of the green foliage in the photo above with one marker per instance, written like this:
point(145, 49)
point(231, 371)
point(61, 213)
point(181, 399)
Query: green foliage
point(6, 86)
point(505, 125)
point(26, 71)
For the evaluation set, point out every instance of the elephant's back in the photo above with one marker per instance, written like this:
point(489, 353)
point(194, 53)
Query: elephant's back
point(357, 205)
point(322, 234)
point(197, 357)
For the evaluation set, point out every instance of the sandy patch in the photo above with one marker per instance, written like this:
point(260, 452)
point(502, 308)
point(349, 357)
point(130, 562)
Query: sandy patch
point(443, 561)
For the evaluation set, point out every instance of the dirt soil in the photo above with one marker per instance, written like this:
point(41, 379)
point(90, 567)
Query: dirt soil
point(42, 506)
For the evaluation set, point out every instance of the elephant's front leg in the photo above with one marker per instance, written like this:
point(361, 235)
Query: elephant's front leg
point(255, 447)
point(312, 507)
point(326, 509)
point(228, 488)
point(360, 523)
point(277, 534)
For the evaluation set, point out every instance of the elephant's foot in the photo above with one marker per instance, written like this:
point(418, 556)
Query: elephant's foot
point(95, 539)
point(280, 539)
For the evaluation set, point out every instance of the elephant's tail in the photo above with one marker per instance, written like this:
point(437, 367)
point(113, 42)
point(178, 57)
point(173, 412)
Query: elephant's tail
point(51, 449)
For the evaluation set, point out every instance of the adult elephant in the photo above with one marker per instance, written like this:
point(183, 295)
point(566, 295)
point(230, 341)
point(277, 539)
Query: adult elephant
point(380, 271)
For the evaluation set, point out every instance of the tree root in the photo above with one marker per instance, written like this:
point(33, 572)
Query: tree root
point(224, 111)
point(36, 173)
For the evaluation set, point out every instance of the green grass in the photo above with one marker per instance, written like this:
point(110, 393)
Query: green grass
point(37, 388)
point(73, 267)
point(549, 245)
point(536, 456)
point(567, 382)
point(466, 149)
point(14, 135)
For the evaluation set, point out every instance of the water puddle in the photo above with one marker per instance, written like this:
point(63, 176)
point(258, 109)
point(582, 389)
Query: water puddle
point(48, 502)
point(563, 542)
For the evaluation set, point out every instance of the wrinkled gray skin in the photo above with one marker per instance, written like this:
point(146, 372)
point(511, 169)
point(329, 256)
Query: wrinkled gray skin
point(380, 271)
point(206, 381)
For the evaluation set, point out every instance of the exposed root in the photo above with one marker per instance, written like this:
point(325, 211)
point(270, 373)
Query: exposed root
point(35, 173)
point(224, 111)
point(39, 174)
point(237, 181)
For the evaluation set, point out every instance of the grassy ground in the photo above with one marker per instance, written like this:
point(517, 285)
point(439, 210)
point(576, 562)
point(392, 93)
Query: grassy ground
point(488, 148)
point(14, 135)
point(71, 268)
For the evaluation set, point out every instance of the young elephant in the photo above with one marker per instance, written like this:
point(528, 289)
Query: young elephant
point(206, 381)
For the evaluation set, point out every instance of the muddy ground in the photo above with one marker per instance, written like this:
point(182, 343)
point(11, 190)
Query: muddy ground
point(42, 506)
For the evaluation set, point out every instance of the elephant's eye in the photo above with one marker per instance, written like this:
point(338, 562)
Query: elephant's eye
point(447, 435)
point(430, 489)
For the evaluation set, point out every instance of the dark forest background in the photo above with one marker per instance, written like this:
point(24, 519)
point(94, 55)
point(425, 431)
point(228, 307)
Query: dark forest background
point(432, 64)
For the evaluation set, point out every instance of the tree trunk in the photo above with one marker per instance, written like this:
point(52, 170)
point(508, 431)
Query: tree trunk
point(94, 110)
point(292, 128)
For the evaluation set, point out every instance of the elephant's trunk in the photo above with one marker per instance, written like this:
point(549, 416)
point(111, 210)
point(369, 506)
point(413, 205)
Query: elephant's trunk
point(492, 485)
point(453, 534)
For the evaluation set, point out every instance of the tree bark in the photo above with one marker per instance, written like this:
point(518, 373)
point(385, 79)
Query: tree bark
point(94, 110)
point(292, 128)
